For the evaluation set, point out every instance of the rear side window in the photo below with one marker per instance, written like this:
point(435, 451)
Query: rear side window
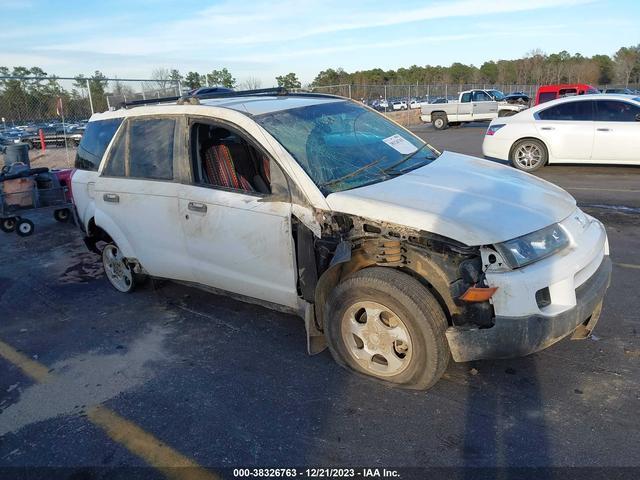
point(546, 96)
point(582, 111)
point(616, 111)
point(466, 97)
point(94, 142)
point(151, 148)
point(143, 150)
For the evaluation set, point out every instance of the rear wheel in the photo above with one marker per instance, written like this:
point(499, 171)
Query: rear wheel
point(118, 271)
point(24, 227)
point(62, 215)
point(8, 225)
point(439, 121)
point(529, 155)
point(385, 324)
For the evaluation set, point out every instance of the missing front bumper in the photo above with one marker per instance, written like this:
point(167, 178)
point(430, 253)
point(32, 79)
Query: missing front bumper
point(518, 336)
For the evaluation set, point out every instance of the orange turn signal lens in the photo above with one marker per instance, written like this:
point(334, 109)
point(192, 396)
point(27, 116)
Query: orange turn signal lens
point(478, 294)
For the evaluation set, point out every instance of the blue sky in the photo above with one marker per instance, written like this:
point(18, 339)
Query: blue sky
point(263, 39)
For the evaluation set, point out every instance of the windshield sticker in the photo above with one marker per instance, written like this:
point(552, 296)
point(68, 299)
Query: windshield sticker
point(399, 144)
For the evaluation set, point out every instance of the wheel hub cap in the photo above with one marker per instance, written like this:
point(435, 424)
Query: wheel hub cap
point(377, 338)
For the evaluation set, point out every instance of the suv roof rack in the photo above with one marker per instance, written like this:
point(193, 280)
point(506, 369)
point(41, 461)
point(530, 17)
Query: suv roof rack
point(240, 93)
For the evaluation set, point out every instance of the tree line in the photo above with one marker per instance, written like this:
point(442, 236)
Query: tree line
point(29, 98)
point(535, 68)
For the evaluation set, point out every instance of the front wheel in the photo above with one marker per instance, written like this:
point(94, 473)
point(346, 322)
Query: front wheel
point(385, 324)
point(529, 155)
point(118, 271)
point(24, 227)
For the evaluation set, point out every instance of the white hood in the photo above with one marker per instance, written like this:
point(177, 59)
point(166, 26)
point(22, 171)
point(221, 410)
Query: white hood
point(473, 201)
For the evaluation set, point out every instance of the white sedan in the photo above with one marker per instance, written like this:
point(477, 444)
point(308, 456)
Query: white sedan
point(581, 129)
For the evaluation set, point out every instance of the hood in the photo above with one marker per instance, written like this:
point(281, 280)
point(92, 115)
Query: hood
point(473, 201)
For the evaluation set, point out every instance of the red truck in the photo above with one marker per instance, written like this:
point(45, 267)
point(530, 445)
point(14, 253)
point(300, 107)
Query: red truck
point(550, 92)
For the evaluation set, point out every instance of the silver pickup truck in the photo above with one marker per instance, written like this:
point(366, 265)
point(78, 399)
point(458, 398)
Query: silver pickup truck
point(472, 106)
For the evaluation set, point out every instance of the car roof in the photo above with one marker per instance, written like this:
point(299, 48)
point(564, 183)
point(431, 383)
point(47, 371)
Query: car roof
point(579, 98)
point(248, 105)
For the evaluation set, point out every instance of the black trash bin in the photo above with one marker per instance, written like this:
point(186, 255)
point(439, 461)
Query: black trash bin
point(18, 152)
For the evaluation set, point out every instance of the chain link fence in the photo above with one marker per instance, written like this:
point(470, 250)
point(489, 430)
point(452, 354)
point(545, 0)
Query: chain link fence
point(51, 112)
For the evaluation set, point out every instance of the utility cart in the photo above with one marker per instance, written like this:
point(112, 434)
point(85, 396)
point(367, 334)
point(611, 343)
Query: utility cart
point(28, 191)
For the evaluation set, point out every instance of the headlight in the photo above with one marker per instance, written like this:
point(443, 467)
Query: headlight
point(534, 246)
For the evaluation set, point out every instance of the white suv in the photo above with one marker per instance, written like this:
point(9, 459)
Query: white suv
point(396, 256)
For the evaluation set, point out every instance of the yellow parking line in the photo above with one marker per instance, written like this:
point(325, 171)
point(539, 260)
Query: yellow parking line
point(147, 447)
point(33, 369)
point(628, 265)
point(156, 453)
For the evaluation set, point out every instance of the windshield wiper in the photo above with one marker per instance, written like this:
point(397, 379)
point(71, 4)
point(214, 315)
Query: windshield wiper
point(354, 173)
point(404, 159)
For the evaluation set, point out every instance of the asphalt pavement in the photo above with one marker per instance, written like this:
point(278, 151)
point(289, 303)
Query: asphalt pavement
point(98, 384)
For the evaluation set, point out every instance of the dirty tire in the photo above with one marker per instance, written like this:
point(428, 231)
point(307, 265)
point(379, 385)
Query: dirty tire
point(529, 155)
point(412, 304)
point(24, 227)
point(440, 121)
point(62, 215)
point(119, 274)
point(8, 225)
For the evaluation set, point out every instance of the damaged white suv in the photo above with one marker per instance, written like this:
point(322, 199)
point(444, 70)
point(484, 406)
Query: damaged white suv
point(396, 256)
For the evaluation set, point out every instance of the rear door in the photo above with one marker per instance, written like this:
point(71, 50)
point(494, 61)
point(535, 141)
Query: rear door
point(568, 130)
point(137, 197)
point(484, 107)
point(464, 108)
point(617, 132)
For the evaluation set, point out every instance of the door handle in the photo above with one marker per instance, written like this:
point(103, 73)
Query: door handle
point(547, 128)
point(111, 197)
point(197, 207)
point(604, 129)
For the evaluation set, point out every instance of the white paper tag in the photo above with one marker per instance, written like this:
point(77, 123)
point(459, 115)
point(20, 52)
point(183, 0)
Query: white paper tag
point(399, 144)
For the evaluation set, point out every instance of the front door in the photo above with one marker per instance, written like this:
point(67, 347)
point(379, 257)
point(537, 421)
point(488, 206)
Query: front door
point(484, 107)
point(238, 235)
point(617, 132)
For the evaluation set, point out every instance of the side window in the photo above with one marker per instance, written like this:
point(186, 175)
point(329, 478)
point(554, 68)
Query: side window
point(151, 148)
point(582, 111)
point(94, 142)
point(115, 166)
point(466, 97)
point(480, 96)
point(223, 158)
point(616, 111)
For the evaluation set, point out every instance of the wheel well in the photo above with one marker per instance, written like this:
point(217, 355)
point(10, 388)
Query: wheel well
point(97, 233)
point(438, 113)
point(529, 138)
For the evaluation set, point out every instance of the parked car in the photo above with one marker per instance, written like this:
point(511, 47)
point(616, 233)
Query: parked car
point(623, 91)
point(546, 93)
point(397, 257)
point(518, 97)
point(440, 100)
point(399, 105)
point(602, 128)
point(415, 104)
point(472, 106)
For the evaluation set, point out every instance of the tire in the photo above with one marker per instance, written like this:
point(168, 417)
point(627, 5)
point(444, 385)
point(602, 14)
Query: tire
point(440, 121)
point(8, 225)
point(62, 215)
point(118, 272)
point(529, 155)
point(24, 227)
point(386, 325)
